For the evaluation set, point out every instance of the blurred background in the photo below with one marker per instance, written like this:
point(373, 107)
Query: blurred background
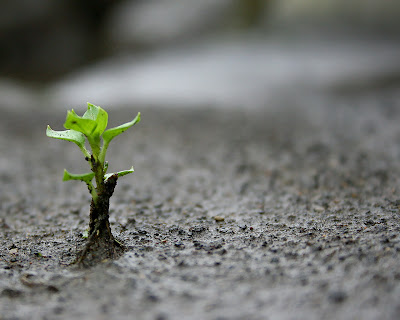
point(225, 53)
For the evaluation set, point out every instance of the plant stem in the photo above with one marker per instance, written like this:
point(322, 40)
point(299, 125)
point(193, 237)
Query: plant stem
point(101, 243)
point(102, 156)
point(92, 191)
point(85, 152)
point(97, 167)
point(99, 177)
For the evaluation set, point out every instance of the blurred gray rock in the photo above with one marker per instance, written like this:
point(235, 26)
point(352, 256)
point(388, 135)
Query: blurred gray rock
point(356, 15)
point(42, 40)
point(15, 96)
point(156, 22)
point(241, 73)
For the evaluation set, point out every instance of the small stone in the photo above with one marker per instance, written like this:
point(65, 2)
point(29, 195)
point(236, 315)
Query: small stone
point(11, 293)
point(275, 260)
point(219, 218)
point(13, 251)
point(318, 208)
point(337, 296)
point(180, 245)
point(198, 229)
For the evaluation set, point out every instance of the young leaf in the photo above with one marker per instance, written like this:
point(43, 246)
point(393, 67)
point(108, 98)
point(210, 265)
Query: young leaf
point(109, 134)
point(119, 173)
point(77, 123)
point(68, 135)
point(85, 177)
point(99, 115)
point(85, 234)
point(91, 112)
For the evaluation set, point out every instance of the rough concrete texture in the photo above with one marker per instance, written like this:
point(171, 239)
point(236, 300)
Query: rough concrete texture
point(291, 212)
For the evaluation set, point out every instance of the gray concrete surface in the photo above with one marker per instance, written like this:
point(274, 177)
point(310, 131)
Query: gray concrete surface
point(286, 212)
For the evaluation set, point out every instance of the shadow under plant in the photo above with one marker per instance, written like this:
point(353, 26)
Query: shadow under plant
point(287, 212)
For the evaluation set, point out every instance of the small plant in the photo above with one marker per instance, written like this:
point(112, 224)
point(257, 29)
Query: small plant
point(101, 244)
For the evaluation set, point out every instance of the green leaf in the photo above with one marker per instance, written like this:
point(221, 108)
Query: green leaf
point(99, 115)
point(119, 173)
point(91, 112)
point(68, 135)
point(113, 132)
point(77, 123)
point(85, 234)
point(85, 177)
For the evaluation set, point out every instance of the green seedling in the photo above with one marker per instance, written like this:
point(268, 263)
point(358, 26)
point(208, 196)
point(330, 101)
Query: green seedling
point(91, 127)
